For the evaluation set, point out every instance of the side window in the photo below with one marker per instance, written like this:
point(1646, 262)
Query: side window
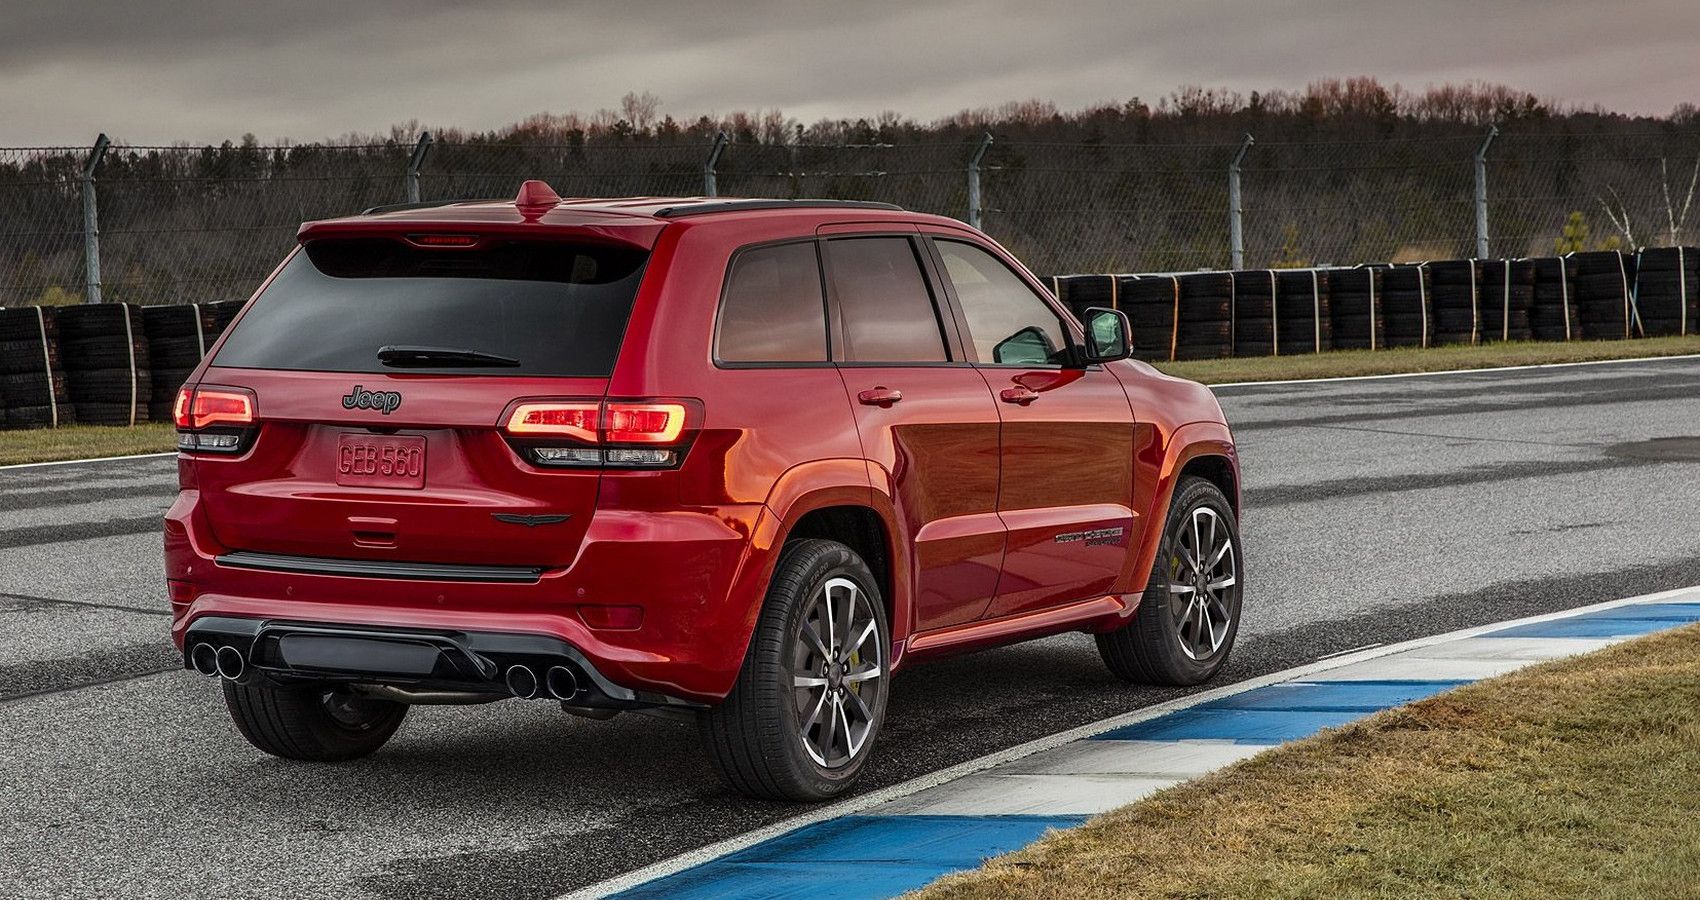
point(1007, 322)
point(773, 310)
point(884, 305)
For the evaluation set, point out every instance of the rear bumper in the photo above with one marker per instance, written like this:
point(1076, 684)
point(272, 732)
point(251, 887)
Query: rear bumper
point(418, 659)
point(696, 574)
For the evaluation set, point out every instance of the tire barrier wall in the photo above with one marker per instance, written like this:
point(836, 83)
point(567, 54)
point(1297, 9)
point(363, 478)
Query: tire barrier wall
point(101, 364)
point(1595, 295)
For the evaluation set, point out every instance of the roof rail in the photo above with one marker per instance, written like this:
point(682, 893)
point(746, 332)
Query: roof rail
point(423, 204)
point(715, 206)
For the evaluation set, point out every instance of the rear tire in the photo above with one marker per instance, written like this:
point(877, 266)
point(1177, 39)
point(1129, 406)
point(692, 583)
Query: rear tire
point(311, 723)
point(1174, 639)
point(803, 675)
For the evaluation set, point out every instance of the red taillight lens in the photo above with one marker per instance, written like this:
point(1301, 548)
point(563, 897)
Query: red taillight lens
point(180, 409)
point(574, 419)
point(632, 434)
point(199, 408)
point(643, 423)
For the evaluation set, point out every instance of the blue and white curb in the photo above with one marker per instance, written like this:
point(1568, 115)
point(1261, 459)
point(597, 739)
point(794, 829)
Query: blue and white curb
point(886, 842)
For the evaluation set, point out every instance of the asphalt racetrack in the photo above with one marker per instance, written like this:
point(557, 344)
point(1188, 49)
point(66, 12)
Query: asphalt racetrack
point(1376, 511)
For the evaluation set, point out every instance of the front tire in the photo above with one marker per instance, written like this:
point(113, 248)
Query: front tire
point(803, 717)
point(311, 723)
point(1190, 613)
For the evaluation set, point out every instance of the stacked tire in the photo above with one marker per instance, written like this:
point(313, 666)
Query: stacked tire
point(177, 339)
point(1667, 289)
point(32, 374)
point(1553, 313)
point(1454, 286)
point(1505, 294)
point(1354, 305)
point(1082, 292)
point(106, 362)
point(223, 313)
point(1254, 312)
point(1151, 303)
point(1302, 320)
point(1406, 320)
point(1604, 279)
point(1206, 316)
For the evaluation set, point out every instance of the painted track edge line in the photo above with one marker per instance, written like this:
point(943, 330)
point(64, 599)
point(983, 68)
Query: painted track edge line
point(1559, 365)
point(93, 459)
point(854, 805)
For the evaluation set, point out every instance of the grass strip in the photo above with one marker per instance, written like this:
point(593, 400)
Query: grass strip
point(1577, 778)
point(1343, 363)
point(83, 442)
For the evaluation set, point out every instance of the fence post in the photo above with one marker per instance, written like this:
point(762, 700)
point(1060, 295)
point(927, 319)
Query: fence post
point(415, 164)
point(1481, 194)
point(1236, 227)
point(710, 188)
point(91, 224)
point(974, 204)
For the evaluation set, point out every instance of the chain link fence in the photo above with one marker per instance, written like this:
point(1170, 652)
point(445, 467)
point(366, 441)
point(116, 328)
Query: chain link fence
point(186, 224)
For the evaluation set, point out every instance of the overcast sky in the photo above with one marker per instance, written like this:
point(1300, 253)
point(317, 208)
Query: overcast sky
point(158, 71)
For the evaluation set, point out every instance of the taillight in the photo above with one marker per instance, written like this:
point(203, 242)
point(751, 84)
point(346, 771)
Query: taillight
point(213, 419)
point(641, 434)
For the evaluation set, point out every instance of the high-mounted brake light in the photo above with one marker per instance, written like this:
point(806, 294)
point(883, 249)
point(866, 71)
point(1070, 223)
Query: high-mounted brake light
point(443, 240)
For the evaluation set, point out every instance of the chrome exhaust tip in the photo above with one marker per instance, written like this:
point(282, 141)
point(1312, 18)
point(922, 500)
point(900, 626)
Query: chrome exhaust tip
point(205, 659)
point(229, 663)
point(522, 682)
point(562, 683)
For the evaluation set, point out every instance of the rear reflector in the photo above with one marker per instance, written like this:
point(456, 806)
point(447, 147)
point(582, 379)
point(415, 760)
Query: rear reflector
point(611, 618)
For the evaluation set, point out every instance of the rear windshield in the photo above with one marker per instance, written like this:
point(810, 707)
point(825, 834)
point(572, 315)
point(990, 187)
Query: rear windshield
point(554, 308)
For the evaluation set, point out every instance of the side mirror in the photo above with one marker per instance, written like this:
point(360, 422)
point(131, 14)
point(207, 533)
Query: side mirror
point(1109, 335)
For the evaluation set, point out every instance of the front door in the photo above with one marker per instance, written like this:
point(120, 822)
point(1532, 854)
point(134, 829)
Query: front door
point(928, 425)
point(1066, 490)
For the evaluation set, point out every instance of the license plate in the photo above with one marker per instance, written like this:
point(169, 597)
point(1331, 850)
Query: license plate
point(381, 460)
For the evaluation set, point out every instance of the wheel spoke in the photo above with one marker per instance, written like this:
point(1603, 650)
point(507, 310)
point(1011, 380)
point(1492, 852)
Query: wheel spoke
point(862, 675)
point(849, 611)
point(1176, 588)
point(851, 647)
point(815, 643)
point(1197, 545)
point(1216, 558)
point(1227, 582)
point(807, 681)
point(850, 745)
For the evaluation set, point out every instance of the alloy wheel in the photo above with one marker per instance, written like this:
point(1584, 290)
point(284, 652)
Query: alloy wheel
point(1203, 574)
point(837, 654)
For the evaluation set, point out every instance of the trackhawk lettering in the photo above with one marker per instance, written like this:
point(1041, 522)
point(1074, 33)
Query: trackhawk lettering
point(1094, 537)
point(385, 402)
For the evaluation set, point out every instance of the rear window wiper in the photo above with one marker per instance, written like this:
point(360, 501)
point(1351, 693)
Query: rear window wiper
point(404, 356)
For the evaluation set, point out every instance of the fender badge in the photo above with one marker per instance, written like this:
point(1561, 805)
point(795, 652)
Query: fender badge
point(531, 521)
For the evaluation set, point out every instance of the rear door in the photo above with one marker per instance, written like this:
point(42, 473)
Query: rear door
point(925, 418)
point(1066, 490)
point(360, 453)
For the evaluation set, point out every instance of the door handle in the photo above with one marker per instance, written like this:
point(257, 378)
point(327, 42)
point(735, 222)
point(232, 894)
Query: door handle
point(882, 397)
point(1018, 395)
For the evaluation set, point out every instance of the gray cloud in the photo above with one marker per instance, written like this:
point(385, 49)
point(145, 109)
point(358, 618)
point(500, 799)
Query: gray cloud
point(155, 71)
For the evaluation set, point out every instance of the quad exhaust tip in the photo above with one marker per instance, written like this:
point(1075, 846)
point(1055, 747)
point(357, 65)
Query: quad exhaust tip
point(205, 659)
point(229, 663)
point(522, 682)
point(562, 683)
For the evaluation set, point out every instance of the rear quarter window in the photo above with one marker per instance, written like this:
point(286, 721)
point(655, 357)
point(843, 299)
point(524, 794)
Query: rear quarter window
point(558, 308)
point(773, 309)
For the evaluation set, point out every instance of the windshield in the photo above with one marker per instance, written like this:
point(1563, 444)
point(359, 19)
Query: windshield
point(554, 308)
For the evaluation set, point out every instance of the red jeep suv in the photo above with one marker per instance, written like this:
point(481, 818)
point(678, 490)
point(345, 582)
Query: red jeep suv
point(738, 460)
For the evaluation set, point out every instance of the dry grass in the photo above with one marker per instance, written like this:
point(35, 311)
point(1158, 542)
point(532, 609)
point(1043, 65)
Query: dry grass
point(83, 442)
point(1579, 778)
point(1342, 363)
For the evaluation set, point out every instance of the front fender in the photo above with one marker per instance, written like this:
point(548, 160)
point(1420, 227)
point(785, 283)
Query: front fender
point(1186, 443)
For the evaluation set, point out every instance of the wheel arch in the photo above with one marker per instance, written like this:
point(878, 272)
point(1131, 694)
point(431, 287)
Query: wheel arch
point(1204, 449)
